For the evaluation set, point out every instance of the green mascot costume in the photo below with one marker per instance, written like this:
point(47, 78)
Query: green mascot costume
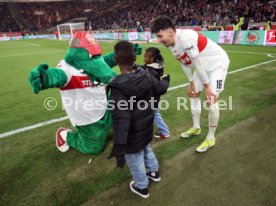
point(81, 77)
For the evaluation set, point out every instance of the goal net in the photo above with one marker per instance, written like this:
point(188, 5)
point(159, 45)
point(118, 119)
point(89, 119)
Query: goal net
point(66, 31)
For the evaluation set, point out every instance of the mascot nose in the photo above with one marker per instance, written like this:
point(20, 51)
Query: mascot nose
point(45, 66)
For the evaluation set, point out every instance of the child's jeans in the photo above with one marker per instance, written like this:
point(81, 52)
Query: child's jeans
point(161, 125)
point(139, 162)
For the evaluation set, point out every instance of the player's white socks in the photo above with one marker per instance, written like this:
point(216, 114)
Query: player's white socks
point(196, 111)
point(213, 120)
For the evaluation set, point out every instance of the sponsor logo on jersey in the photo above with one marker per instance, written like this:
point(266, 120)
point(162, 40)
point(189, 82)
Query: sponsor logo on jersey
point(189, 48)
point(79, 82)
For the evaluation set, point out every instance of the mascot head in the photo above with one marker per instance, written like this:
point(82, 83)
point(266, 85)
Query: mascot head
point(85, 40)
point(82, 48)
point(84, 53)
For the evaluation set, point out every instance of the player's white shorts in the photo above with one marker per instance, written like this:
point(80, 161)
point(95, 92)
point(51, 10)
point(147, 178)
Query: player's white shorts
point(216, 80)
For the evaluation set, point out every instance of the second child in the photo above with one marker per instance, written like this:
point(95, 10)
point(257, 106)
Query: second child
point(154, 62)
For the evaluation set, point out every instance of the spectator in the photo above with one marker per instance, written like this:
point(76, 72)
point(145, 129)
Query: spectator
point(268, 24)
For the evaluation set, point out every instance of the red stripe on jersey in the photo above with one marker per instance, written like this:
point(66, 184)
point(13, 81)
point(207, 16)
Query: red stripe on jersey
point(184, 59)
point(78, 82)
point(201, 42)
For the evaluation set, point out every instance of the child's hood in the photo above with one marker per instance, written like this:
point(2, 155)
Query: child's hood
point(156, 65)
point(156, 69)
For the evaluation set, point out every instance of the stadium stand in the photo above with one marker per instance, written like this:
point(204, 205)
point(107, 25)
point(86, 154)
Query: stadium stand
point(124, 14)
point(7, 23)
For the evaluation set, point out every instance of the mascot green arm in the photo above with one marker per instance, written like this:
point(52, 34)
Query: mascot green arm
point(137, 49)
point(43, 77)
point(109, 58)
point(96, 67)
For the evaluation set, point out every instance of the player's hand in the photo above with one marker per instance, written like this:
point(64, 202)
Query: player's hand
point(191, 90)
point(210, 96)
point(137, 49)
point(36, 77)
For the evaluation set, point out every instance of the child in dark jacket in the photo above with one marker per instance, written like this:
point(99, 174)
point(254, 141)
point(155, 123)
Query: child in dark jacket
point(132, 114)
point(154, 62)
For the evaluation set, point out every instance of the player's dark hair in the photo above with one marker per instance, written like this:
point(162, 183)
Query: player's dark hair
point(162, 23)
point(124, 53)
point(156, 54)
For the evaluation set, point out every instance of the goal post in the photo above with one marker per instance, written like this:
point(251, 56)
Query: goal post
point(67, 30)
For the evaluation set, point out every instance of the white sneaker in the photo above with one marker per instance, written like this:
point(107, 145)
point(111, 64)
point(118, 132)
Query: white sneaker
point(61, 137)
point(158, 135)
point(144, 193)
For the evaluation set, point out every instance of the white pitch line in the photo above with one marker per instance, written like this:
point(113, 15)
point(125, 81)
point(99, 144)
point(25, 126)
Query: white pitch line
point(6, 134)
point(25, 54)
point(232, 51)
point(179, 86)
point(28, 43)
point(232, 72)
point(34, 53)
point(24, 129)
point(270, 55)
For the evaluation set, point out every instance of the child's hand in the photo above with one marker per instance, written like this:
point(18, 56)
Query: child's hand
point(118, 151)
point(120, 160)
point(166, 78)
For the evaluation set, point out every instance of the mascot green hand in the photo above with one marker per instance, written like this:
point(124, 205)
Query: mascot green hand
point(80, 77)
point(35, 78)
point(43, 77)
point(137, 49)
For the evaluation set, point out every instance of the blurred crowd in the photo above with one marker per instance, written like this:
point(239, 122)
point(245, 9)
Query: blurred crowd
point(126, 14)
point(187, 12)
point(7, 22)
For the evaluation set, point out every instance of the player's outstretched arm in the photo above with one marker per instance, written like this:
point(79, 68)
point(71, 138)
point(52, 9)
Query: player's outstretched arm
point(188, 71)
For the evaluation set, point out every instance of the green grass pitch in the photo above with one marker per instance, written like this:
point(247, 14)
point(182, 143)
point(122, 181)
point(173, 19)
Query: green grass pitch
point(34, 172)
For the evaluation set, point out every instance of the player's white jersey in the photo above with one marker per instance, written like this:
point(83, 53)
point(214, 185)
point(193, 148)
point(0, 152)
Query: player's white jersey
point(190, 45)
point(83, 101)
